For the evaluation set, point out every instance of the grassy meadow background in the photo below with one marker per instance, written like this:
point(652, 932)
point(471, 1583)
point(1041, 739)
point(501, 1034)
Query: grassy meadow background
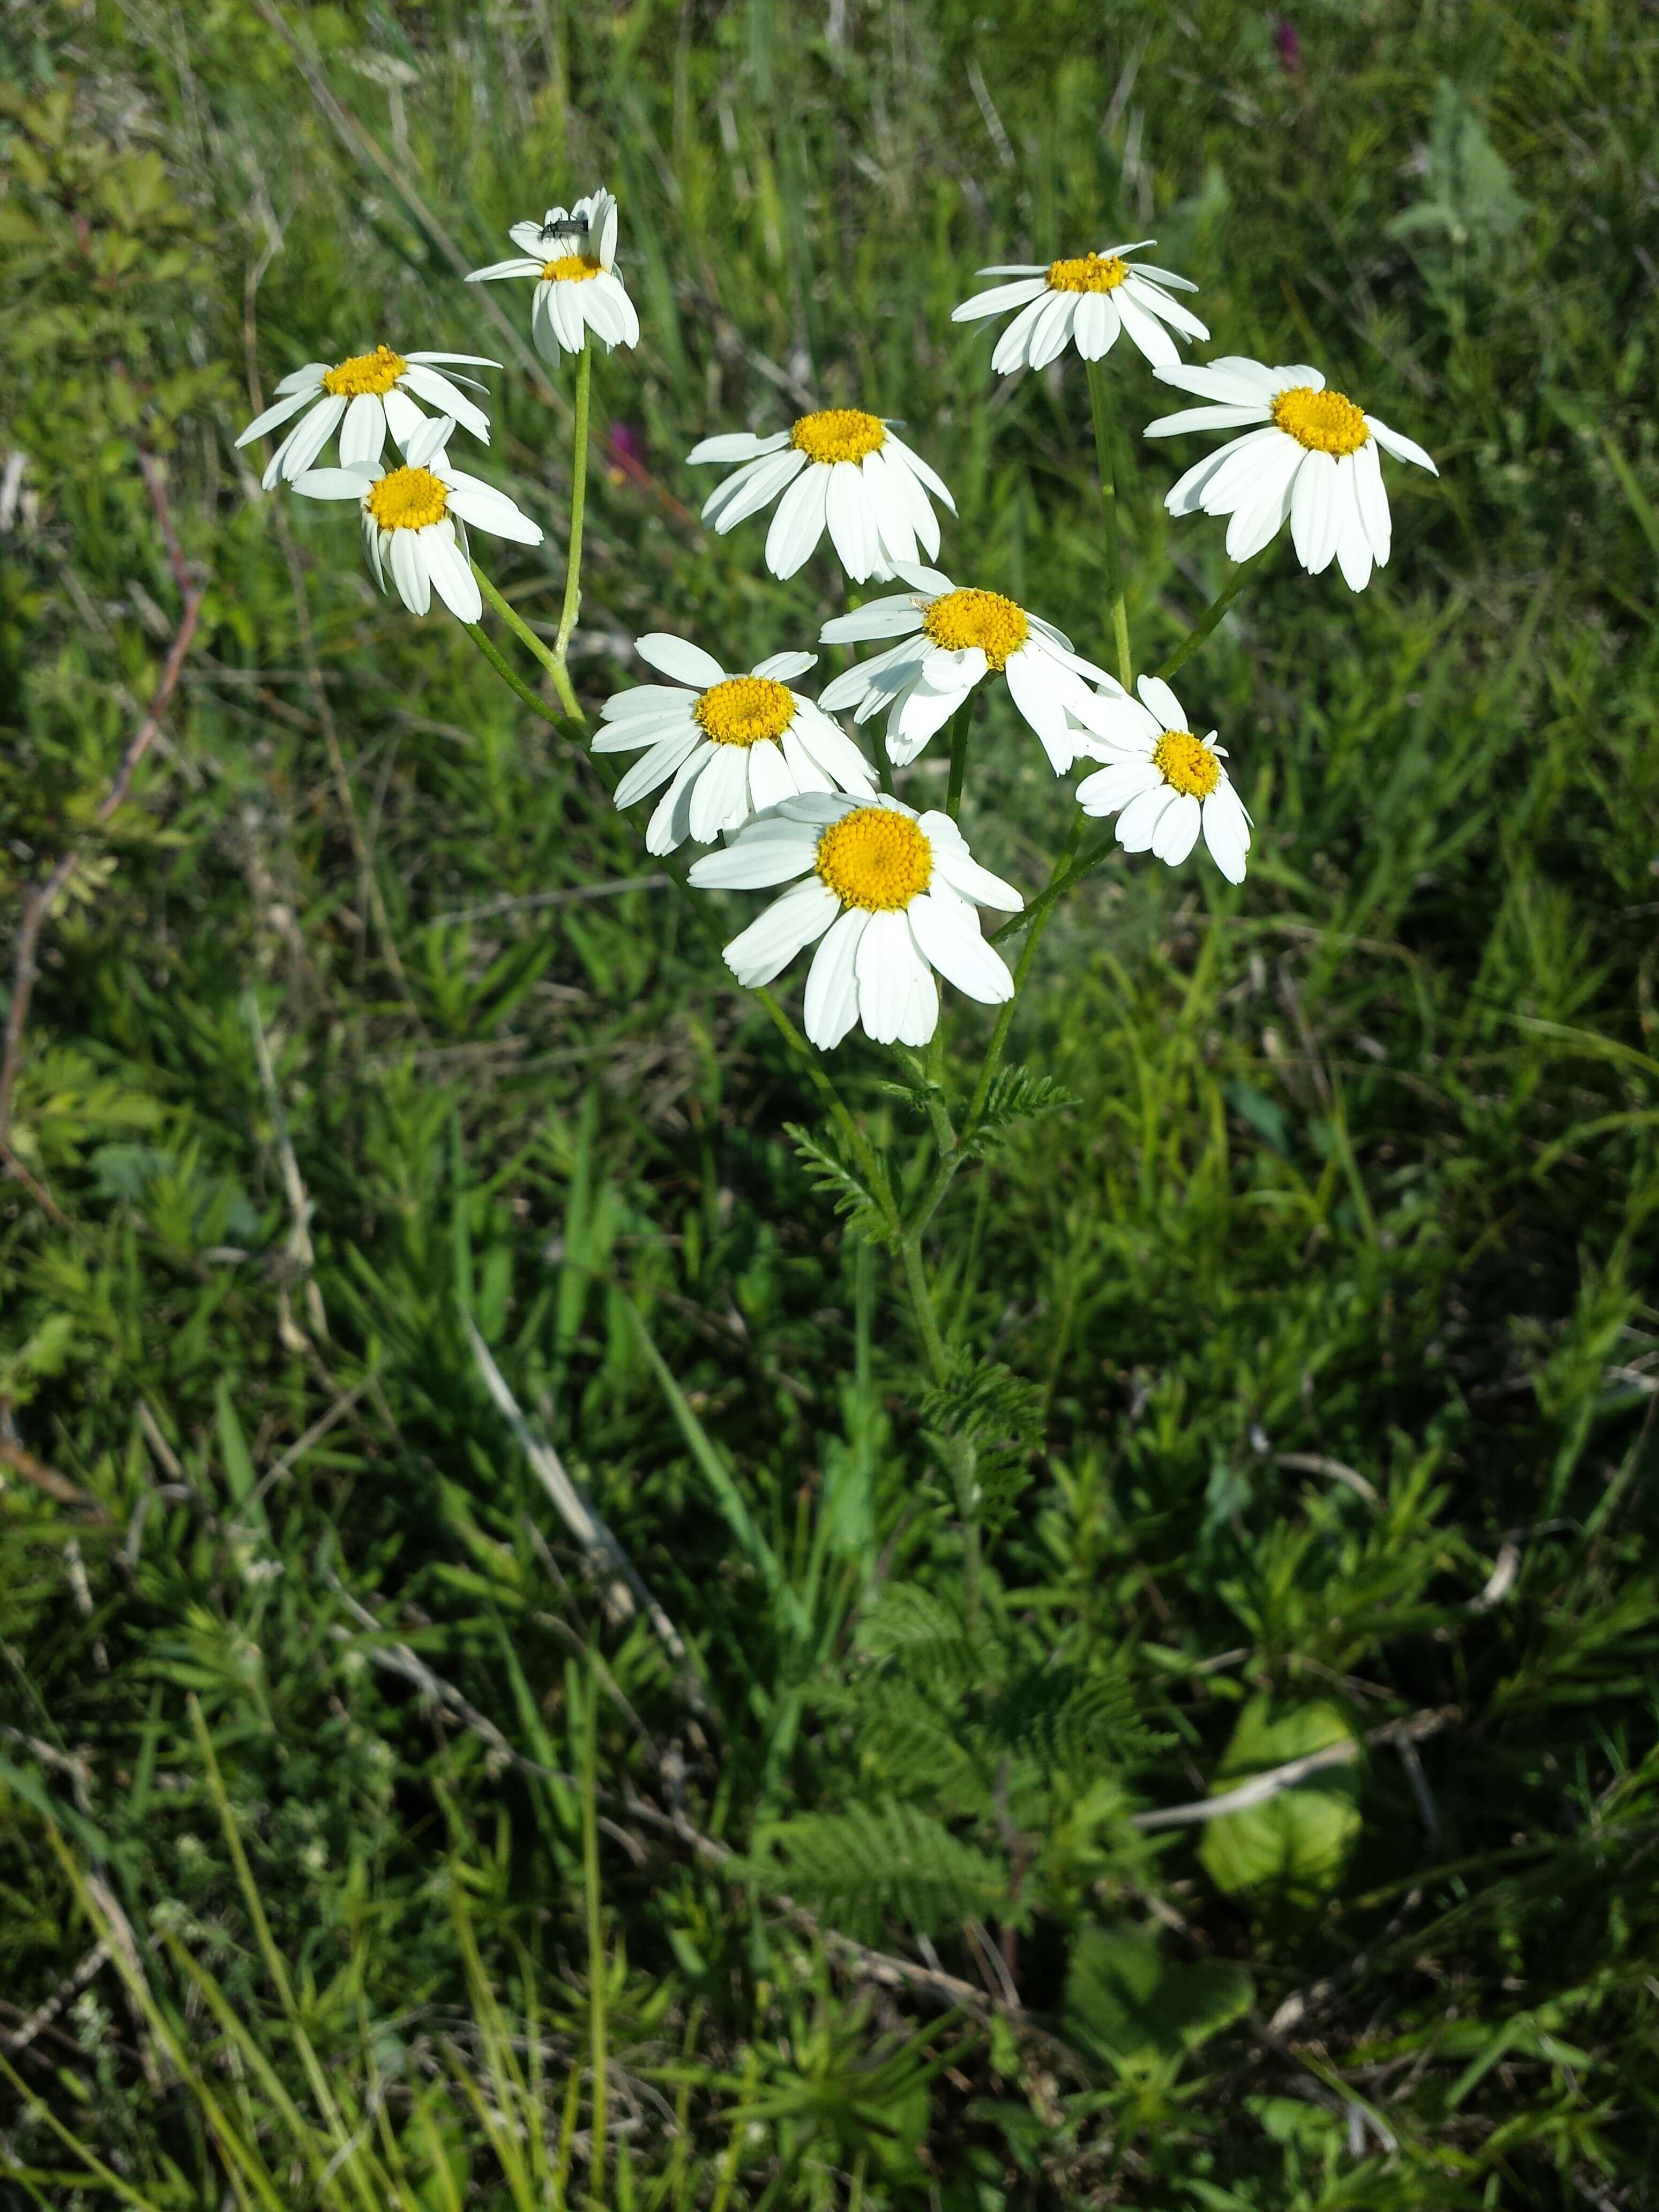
point(345, 1813)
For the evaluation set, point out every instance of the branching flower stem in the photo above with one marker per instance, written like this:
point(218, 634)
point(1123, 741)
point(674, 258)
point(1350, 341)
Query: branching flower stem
point(550, 660)
point(510, 676)
point(573, 580)
point(1100, 405)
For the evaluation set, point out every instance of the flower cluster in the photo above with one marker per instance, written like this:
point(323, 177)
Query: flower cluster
point(743, 761)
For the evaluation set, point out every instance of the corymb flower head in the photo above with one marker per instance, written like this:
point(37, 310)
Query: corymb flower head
point(1163, 782)
point(363, 397)
point(1084, 301)
point(415, 517)
point(725, 745)
point(571, 254)
point(889, 896)
point(951, 638)
point(1309, 454)
point(840, 469)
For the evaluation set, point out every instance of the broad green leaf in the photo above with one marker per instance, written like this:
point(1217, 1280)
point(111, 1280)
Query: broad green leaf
point(1287, 1852)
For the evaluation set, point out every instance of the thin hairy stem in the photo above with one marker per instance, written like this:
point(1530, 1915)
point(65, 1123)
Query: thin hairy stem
point(573, 578)
point(1213, 613)
point(510, 676)
point(597, 1962)
point(551, 661)
point(959, 722)
point(1100, 405)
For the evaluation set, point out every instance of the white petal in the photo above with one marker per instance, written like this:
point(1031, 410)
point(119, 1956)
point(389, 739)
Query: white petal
point(895, 616)
point(647, 699)
point(886, 962)
point(999, 299)
point(516, 264)
point(1040, 689)
point(769, 775)
point(443, 393)
point(1256, 525)
point(769, 852)
point(451, 574)
point(670, 823)
point(1402, 448)
point(947, 931)
point(403, 417)
point(771, 941)
point(928, 478)
point(751, 488)
point(1053, 330)
point(1186, 495)
point(720, 800)
point(409, 571)
point(1097, 326)
point(289, 405)
point(1262, 458)
point(1154, 302)
point(634, 732)
point(1177, 829)
point(309, 438)
point(832, 990)
point(851, 530)
point(333, 483)
point(666, 758)
point(1162, 704)
point(427, 441)
point(685, 663)
point(1146, 332)
point(1354, 547)
point(1113, 786)
point(1227, 831)
point(799, 523)
point(1373, 499)
point(1315, 520)
point(921, 1016)
point(827, 744)
point(957, 867)
point(1137, 824)
point(784, 667)
point(1232, 378)
point(1205, 418)
point(308, 378)
point(1010, 353)
point(736, 445)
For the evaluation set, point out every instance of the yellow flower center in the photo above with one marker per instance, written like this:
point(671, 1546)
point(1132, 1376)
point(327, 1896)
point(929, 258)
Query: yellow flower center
point(571, 269)
point(744, 709)
point(961, 619)
point(1090, 272)
point(876, 860)
point(375, 371)
point(838, 434)
point(407, 499)
point(1324, 422)
point(1185, 763)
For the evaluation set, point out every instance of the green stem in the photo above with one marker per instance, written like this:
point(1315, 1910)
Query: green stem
point(1213, 613)
point(573, 580)
point(510, 675)
point(596, 1965)
point(551, 661)
point(1100, 406)
point(516, 623)
point(959, 722)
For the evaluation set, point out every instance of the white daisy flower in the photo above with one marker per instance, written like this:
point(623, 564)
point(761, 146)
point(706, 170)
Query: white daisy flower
point(415, 516)
point(892, 894)
point(353, 395)
point(950, 638)
point(839, 469)
point(1085, 302)
point(1163, 783)
point(1315, 458)
point(571, 254)
point(732, 744)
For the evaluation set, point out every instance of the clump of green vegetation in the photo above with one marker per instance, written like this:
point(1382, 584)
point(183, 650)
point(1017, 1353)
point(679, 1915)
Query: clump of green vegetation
point(389, 1169)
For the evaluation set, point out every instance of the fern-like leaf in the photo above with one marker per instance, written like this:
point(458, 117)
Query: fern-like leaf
point(830, 1171)
point(887, 1861)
